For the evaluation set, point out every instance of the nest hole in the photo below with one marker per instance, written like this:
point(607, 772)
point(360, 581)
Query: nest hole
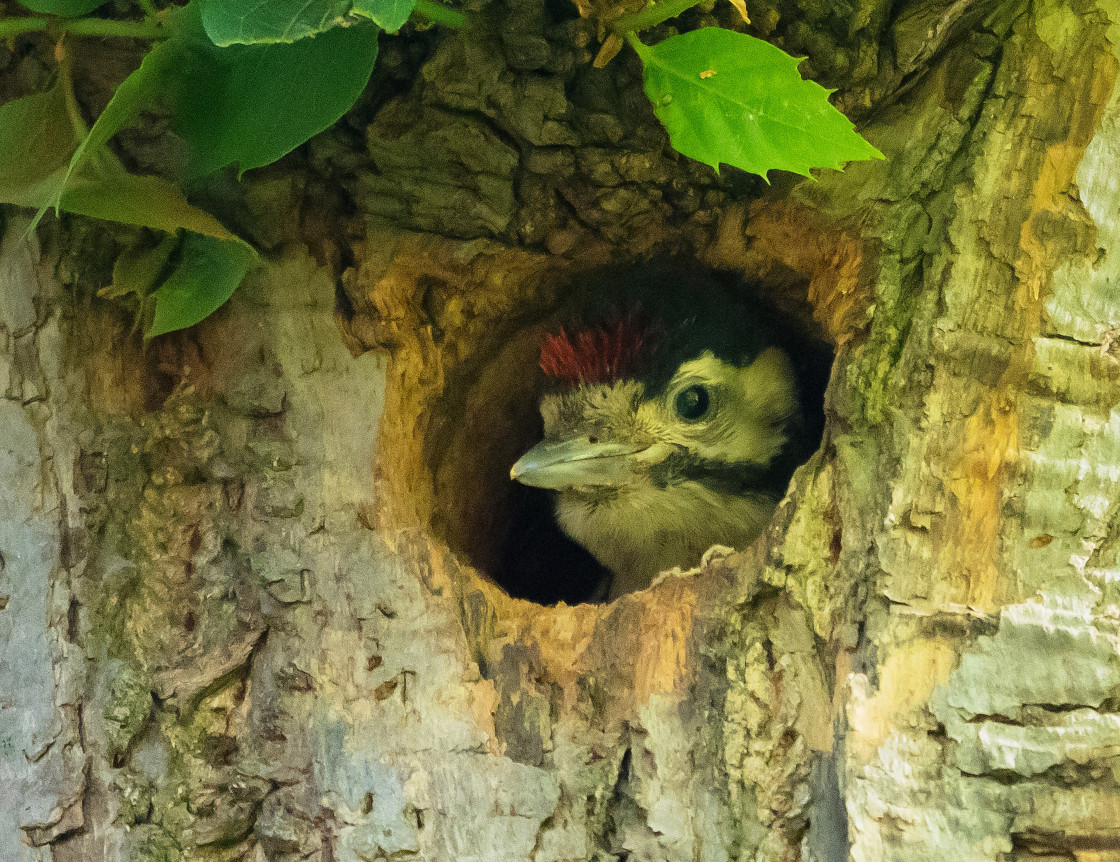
point(490, 417)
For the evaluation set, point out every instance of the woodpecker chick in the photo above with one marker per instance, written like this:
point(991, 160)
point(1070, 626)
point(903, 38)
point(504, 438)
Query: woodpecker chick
point(670, 427)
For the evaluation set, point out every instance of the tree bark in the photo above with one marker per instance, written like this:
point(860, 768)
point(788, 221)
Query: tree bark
point(244, 598)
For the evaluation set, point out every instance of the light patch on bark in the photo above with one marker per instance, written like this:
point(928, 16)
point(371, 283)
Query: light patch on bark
point(42, 760)
point(988, 727)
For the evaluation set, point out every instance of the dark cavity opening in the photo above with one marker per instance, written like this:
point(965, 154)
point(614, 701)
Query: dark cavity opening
point(491, 417)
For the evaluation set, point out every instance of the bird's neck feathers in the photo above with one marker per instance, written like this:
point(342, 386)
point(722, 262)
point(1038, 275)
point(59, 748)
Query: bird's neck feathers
point(643, 531)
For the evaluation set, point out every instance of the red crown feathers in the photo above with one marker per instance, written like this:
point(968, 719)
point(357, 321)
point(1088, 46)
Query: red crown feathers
point(601, 354)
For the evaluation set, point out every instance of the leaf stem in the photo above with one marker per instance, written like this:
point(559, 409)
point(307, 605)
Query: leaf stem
point(440, 14)
point(66, 81)
point(10, 27)
point(652, 15)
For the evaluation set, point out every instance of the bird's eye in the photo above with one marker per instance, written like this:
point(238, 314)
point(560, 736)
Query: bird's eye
point(692, 403)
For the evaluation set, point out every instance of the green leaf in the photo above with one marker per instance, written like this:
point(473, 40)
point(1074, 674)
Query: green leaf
point(390, 15)
point(252, 104)
point(245, 104)
point(258, 22)
point(254, 22)
point(66, 8)
point(36, 140)
point(110, 192)
point(729, 97)
point(138, 91)
point(140, 268)
point(207, 275)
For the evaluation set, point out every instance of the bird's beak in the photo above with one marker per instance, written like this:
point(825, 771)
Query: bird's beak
point(576, 463)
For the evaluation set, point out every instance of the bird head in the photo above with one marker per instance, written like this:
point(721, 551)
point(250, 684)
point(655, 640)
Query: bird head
point(668, 427)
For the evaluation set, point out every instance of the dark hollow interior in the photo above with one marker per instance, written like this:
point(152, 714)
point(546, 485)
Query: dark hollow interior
point(506, 529)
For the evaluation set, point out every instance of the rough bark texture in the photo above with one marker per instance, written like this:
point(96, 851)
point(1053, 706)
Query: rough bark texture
point(238, 613)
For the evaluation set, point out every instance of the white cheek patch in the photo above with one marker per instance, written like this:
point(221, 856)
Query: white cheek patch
point(754, 405)
point(769, 386)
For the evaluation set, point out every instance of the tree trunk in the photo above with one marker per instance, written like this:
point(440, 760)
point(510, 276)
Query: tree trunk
point(246, 606)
